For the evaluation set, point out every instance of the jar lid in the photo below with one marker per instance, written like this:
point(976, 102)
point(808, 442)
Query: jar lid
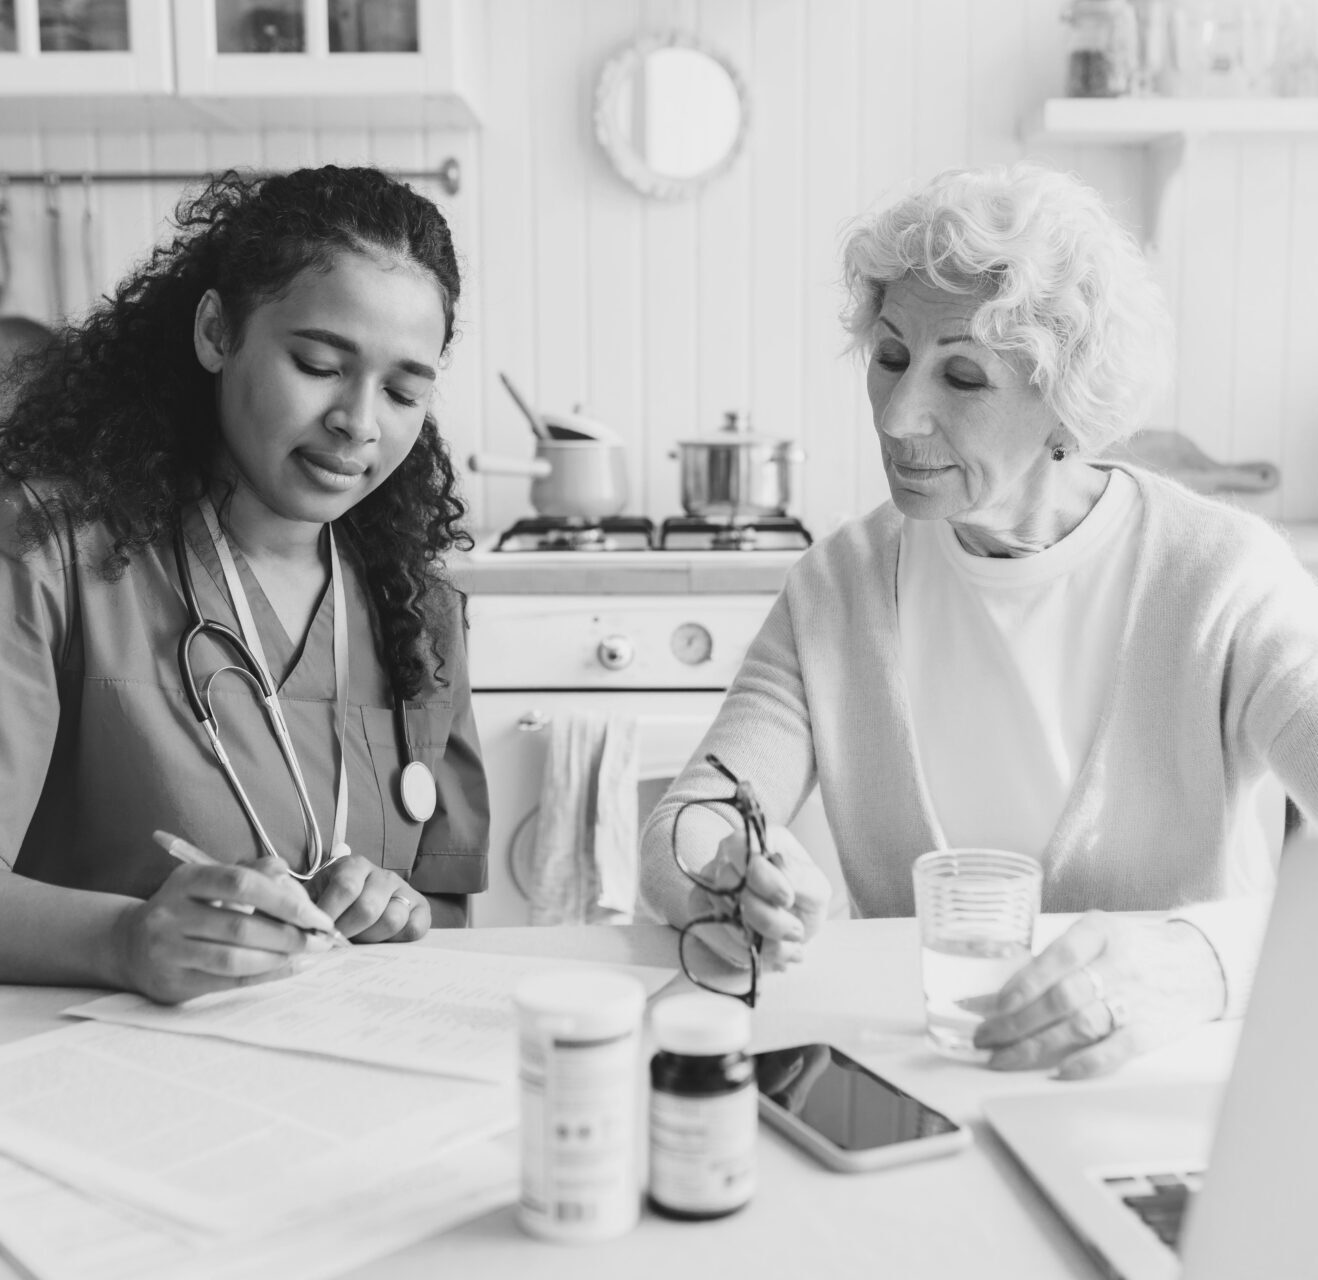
point(701, 1024)
point(581, 1002)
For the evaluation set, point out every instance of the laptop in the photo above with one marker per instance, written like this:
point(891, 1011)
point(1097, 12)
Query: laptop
point(1129, 1169)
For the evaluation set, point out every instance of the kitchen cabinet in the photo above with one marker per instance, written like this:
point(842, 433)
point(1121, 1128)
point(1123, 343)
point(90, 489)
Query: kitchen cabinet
point(116, 47)
point(240, 64)
point(345, 63)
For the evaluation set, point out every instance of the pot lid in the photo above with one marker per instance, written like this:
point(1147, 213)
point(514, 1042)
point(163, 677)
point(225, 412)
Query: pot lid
point(736, 433)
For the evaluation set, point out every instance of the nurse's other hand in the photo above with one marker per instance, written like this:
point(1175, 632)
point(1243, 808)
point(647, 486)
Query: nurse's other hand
point(785, 899)
point(197, 933)
point(1108, 989)
point(368, 903)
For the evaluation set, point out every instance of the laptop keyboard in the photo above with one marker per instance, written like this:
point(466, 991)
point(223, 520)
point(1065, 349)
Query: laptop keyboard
point(1160, 1200)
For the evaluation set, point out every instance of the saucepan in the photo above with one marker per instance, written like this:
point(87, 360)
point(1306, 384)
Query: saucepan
point(576, 479)
point(579, 471)
point(734, 472)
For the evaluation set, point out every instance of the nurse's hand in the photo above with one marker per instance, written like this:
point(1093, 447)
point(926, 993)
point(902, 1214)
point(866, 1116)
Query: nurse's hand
point(1108, 989)
point(194, 934)
point(785, 899)
point(368, 903)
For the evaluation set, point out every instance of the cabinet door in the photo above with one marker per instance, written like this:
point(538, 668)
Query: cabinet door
point(334, 48)
point(57, 47)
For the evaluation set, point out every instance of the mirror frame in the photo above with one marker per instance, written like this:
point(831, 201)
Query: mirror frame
point(626, 163)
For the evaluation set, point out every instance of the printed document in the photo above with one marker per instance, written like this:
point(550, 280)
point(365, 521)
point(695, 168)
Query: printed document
point(423, 1008)
point(56, 1233)
point(212, 1134)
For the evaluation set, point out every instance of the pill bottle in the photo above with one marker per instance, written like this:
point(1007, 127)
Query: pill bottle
point(703, 1107)
point(579, 1040)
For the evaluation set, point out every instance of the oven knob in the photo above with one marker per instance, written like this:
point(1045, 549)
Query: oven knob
point(615, 652)
point(692, 644)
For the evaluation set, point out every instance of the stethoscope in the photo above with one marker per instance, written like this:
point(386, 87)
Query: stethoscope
point(417, 790)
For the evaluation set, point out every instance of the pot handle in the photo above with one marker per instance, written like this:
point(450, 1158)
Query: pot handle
point(491, 464)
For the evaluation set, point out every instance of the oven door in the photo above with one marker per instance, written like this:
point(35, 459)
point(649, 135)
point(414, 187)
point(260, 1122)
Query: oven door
point(514, 739)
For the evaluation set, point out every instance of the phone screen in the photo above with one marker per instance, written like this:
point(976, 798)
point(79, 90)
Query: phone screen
point(844, 1101)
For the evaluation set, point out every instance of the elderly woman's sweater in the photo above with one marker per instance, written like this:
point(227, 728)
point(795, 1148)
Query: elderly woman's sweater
point(1215, 681)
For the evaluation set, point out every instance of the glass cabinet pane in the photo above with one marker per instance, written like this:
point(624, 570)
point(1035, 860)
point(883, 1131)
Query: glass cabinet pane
point(259, 26)
point(78, 26)
point(8, 27)
point(372, 26)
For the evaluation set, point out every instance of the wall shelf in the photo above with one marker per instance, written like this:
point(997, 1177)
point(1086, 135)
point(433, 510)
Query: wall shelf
point(1101, 121)
point(1169, 130)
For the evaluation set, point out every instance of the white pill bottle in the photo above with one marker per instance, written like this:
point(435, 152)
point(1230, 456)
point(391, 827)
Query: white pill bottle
point(579, 1037)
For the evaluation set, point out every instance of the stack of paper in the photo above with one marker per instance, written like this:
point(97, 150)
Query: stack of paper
point(300, 1128)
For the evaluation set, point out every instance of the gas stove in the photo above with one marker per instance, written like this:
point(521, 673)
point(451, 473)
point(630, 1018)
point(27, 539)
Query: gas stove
point(636, 533)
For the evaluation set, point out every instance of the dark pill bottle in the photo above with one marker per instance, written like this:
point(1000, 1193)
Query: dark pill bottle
point(704, 1118)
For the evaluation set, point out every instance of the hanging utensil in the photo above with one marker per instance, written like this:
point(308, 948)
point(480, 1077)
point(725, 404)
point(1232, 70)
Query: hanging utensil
point(536, 421)
point(55, 248)
point(89, 276)
point(6, 265)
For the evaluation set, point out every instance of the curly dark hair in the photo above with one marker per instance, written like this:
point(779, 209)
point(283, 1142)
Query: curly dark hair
point(119, 412)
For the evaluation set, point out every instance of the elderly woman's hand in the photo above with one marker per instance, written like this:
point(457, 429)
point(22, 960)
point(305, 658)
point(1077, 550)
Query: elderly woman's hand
point(785, 899)
point(1108, 989)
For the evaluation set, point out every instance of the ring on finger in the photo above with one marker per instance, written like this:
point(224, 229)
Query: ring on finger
point(1117, 1011)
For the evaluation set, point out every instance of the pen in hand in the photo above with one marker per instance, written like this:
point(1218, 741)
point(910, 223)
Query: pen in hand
point(184, 851)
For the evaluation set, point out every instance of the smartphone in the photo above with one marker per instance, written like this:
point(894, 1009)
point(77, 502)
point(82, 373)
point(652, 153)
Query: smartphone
point(845, 1115)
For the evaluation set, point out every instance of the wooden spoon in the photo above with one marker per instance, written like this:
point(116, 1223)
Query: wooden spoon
point(537, 422)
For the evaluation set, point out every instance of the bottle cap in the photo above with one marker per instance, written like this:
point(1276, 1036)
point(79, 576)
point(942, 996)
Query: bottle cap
point(701, 1024)
point(580, 1003)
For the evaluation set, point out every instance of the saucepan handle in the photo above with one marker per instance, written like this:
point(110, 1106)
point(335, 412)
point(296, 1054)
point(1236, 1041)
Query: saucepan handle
point(492, 464)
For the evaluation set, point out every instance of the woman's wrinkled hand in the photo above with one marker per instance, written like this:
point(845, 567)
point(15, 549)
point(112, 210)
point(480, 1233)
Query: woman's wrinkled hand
point(198, 932)
point(1108, 989)
point(785, 899)
point(368, 903)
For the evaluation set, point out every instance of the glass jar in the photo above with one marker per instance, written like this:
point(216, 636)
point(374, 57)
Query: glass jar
point(1104, 48)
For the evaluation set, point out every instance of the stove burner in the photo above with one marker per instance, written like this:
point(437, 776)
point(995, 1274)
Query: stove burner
point(559, 533)
point(735, 533)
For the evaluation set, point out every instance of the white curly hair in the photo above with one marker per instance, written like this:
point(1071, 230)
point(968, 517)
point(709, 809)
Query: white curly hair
point(1062, 285)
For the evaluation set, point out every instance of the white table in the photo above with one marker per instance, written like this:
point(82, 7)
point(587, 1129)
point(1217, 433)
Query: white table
point(971, 1214)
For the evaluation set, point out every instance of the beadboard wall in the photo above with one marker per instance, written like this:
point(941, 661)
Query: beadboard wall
point(658, 317)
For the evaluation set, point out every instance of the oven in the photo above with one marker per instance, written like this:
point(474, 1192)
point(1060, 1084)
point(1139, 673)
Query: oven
point(652, 634)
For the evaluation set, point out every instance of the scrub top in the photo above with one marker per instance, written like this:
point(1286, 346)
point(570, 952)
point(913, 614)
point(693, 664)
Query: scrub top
point(99, 746)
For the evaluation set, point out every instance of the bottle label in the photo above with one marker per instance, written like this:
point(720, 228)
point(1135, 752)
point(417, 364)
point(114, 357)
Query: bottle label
point(702, 1150)
point(578, 1136)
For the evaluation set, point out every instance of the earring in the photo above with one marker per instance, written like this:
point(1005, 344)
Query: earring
point(1059, 452)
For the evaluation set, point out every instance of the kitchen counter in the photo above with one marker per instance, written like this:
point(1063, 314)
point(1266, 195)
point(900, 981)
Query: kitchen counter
point(484, 571)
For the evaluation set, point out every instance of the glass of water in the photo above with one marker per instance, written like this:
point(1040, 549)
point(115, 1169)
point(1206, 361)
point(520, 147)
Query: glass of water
point(976, 909)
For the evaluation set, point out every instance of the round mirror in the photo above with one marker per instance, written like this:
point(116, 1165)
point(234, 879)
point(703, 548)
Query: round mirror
point(670, 113)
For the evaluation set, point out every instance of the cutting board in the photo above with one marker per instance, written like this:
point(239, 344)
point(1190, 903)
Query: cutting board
point(1177, 456)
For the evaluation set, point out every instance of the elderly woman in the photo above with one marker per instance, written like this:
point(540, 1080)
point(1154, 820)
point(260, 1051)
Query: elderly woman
point(1026, 648)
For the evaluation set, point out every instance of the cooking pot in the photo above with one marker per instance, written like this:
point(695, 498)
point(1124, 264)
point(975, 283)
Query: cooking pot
point(734, 472)
point(575, 479)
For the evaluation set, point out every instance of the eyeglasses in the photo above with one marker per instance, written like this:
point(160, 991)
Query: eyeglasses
point(695, 940)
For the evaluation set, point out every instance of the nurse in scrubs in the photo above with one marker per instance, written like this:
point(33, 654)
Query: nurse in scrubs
point(238, 446)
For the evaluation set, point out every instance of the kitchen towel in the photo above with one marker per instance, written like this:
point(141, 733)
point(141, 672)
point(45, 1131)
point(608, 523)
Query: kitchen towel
point(583, 869)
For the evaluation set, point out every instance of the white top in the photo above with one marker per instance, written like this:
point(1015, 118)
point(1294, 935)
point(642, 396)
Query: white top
point(1008, 663)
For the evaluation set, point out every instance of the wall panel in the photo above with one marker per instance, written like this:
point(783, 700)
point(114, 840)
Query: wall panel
point(661, 315)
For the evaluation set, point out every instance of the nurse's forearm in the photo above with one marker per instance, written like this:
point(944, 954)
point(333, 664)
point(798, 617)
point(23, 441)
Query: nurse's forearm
point(52, 936)
point(447, 910)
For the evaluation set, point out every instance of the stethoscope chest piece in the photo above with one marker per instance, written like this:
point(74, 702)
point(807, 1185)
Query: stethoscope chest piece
point(418, 791)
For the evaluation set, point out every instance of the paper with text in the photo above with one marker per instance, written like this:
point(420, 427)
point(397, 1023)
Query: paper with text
point(56, 1233)
point(212, 1133)
point(424, 1008)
